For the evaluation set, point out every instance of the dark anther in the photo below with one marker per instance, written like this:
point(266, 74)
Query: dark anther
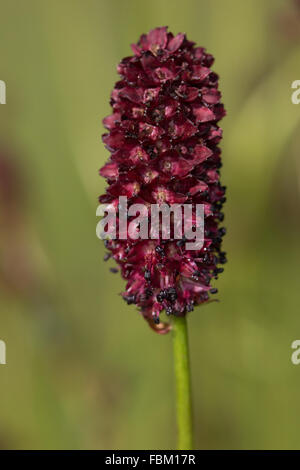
point(130, 299)
point(171, 294)
point(148, 293)
point(213, 290)
point(161, 296)
point(147, 275)
point(159, 250)
point(189, 307)
point(206, 258)
point(223, 259)
point(169, 310)
point(113, 270)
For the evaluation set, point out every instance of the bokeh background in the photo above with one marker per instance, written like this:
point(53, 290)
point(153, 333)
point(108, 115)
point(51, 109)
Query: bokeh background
point(83, 369)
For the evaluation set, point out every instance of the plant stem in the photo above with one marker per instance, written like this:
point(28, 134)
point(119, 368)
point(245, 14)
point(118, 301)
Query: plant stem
point(183, 383)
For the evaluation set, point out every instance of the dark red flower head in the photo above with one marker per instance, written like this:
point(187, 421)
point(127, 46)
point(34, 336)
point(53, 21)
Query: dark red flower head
point(163, 137)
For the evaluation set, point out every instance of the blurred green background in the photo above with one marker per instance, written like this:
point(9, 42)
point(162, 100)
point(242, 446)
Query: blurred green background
point(83, 369)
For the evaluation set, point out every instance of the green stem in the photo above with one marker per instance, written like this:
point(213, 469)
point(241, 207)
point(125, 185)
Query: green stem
point(183, 383)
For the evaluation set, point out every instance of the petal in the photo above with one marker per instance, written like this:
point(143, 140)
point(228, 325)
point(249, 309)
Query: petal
point(138, 155)
point(194, 286)
point(149, 131)
point(136, 49)
point(199, 52)
point(110, 170)
point(162, 194)
point(199, 73)
point(150, 94)
point(203, 114)
point(157, 37)
point(175, 42)
point(188, 268)
point(200, 187)
point(137, 113)
point(211, 95)
point(184, 129)
point(201, 153)
point(187, 93)
point(119, 189)
point(208, 60)
point(133, 94)
point(149, 62)
point(163, 74)
point(213, 176)
point(176, 167)
point(110, 121)
point(170, 108)
point(114, 140)
point(215, 134)
point(148, 175)
point(219, 111)
point(143, 42)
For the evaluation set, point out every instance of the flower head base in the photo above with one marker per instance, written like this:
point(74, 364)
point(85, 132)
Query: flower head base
point(163, 137)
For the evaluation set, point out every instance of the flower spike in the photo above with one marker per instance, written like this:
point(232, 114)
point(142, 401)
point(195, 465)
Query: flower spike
point(163, 137)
